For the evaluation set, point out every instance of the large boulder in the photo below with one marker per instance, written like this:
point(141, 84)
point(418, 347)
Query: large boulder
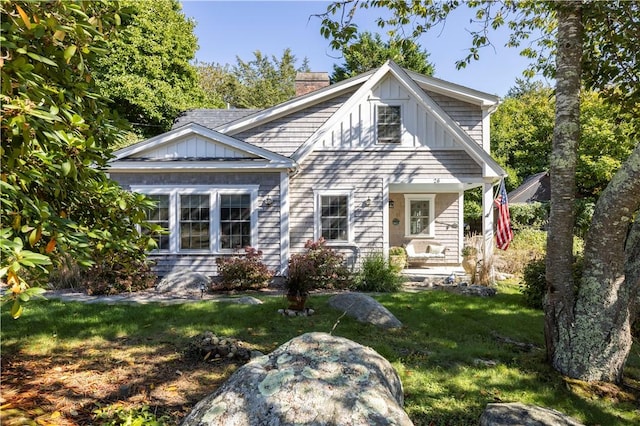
point(313, 379)
point(515, 413)
point(365, 309)
point(184, 282)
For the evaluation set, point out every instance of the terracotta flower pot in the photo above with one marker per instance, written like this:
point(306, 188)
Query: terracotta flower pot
point(297, 302)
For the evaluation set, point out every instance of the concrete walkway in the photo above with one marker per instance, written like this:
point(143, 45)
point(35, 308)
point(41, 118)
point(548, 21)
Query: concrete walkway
point(416, 281)
point(151, 296)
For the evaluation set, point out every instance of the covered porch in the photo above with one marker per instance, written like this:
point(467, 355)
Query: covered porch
point(431, 213)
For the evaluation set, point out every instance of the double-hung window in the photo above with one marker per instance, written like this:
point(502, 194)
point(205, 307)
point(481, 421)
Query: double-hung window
point(333, 215)
point(235, 221)
point(195, 229)
point(203, 218)
point(159, 216)
point(419, 215)
point(389, 123)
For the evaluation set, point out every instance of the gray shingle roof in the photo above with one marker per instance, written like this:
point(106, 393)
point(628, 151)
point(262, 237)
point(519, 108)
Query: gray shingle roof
point(534, 188)
point(211, 118)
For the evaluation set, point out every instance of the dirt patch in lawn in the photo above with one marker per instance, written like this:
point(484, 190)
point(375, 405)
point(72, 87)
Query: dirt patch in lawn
point(68, 388)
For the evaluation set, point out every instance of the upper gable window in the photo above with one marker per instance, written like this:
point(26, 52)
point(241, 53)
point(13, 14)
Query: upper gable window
point(389, 119)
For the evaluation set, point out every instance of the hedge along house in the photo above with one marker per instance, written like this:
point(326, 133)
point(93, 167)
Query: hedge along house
point(379, 160)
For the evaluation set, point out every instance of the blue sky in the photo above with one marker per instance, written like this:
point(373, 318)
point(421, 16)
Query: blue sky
point(226, 29)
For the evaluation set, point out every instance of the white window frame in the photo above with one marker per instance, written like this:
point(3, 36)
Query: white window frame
point(167, 250)
point(317, 228)
point(214, 192)
point(254, 216)
point(377, 105)
point(431, 198)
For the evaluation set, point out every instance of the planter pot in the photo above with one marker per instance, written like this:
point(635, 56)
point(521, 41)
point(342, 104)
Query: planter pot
point(297, 303)
point(397, 263)
point(469, 265)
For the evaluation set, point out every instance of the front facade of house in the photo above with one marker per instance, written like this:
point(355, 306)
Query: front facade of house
point(369, 163)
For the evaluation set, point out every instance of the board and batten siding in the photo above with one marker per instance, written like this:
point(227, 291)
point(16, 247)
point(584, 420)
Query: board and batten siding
point(268, 216)
point(192, 146)
point(420, 128)
point(365, 174)
point(284, 135)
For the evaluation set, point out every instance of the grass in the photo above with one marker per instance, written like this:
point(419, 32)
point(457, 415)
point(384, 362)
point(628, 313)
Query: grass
point(454, 354)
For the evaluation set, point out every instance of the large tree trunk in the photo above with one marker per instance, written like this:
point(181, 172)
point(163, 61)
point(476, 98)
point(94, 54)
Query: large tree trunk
point(560, 298)
point(606, 303)
point(588, 330)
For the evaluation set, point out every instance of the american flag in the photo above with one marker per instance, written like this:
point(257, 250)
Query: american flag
point(504, 233)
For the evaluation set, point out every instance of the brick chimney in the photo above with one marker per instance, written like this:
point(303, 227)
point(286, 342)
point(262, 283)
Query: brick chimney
point(307, 82)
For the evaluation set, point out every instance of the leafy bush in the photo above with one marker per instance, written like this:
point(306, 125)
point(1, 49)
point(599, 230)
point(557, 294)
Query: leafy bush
point(535, 281)
point(118, 274)
point(377, 275)
point(243, 272)
point(115, 415)
point(531, 215)
point(584, 213)
point(320, 267)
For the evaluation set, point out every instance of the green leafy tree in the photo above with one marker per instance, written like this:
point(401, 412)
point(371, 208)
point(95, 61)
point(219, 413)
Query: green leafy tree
point(147, 74)
point(56, 133)
point(264, 82)
point(522, 133)
point(217, 82)
point(256, 84)
point(588, 326)
point(369, 52)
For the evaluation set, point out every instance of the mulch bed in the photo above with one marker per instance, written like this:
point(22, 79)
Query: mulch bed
point(66, 388)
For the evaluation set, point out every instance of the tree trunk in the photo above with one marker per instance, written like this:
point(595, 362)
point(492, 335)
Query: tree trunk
point(606, 303)
point(588, 330)
point(560, 298)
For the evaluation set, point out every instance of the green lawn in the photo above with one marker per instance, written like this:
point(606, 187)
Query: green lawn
point(454, 355)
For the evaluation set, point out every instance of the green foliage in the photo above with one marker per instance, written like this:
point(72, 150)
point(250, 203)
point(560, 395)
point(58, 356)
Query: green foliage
point(438, 359)
point(243, 272)
point(583, 215)
point(522, 131)
point(535, 281)
point(369, 52)
point(256, 84)
point(527, 244)
point(118, 274)
point(56, 133)
point(530, 215)
point(319, 267)
point(117, 415)
point(376, 274)
point(147, 74)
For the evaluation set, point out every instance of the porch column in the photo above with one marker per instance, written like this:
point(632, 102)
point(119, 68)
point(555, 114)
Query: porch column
point(284, 222)
point(487, 220)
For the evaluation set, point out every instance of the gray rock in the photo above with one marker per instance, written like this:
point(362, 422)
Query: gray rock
point(314, 379)
point(365, 309)
point(183, 282)
point(515, 413)
point(244, 300)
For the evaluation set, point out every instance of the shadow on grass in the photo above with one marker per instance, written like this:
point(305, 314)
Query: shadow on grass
point(455, 353)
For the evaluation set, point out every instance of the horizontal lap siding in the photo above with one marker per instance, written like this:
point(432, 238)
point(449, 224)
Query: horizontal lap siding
point(468, 116)
point(364, 172)
point(268, 217)
point(285, 135)
point(446, 225)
